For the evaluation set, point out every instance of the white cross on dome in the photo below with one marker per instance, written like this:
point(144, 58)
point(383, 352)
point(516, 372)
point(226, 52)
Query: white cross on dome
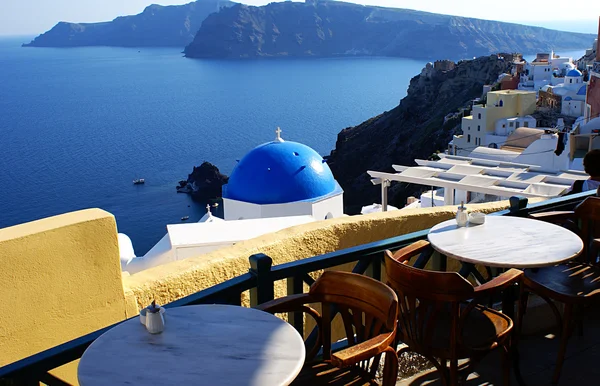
point(278, 135)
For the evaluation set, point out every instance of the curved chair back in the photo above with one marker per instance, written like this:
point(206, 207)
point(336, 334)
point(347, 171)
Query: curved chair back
point(428, 301)
point(368, 307)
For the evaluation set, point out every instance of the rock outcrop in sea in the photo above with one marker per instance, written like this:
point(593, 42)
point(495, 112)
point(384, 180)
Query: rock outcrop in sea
point(335, 28)
point(156, 26)
point(420, 125)
point(204, 183)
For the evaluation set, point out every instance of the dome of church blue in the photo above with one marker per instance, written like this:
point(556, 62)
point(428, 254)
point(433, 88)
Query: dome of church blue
point(582, 90)
point(574, 73)
point(280, 172)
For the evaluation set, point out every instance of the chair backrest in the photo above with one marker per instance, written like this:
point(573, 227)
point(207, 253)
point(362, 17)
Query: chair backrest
point(588, 212)
point(428, 301)
point(368, 307)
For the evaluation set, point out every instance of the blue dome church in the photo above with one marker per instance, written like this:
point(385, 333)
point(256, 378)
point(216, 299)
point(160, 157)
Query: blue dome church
point(282, 178)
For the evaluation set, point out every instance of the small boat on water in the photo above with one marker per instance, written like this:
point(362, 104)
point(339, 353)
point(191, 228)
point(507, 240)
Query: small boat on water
point(139, 181)
point(184, 218)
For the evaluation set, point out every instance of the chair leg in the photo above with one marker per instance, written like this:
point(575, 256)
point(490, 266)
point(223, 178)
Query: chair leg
point(506, 360)
point(567, 323)
point(390, 368)
point(523, 300)
point(516, 335)
point(441, 369)
point(453, 379)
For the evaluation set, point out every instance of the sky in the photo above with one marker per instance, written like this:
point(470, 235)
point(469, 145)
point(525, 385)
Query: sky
point(32, 17)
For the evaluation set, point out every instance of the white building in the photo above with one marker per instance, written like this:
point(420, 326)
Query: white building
point(572, 92)
point(276, 185)
point(537, 164)
point(282, 178)
point(545, 70)
point(491, 124)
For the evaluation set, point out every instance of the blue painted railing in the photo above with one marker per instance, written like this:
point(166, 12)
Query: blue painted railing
point(260, 282)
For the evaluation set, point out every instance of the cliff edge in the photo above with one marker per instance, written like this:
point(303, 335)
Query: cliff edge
point(420, 125)
point(334, 28)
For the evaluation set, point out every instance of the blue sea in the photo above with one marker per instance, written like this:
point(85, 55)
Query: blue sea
point(77, 125)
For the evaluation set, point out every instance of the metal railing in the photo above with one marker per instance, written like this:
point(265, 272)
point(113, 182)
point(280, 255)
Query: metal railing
point(260, 281)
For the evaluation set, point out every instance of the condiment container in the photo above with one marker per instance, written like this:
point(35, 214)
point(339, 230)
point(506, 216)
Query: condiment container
point(155, 321)
point(462, 216)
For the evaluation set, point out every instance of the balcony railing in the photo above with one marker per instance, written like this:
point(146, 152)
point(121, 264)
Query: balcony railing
point(260, 282)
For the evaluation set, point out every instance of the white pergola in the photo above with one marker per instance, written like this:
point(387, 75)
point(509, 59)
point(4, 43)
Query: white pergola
point(498, 178)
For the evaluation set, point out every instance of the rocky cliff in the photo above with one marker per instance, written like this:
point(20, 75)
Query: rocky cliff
point(204, 183)
point(333, 28)
point(155, 26)
point(422, 124)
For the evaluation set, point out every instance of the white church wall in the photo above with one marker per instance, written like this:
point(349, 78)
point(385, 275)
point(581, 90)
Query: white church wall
point(573, 108)
point(298, 208)
point(238, 210)
point(331, 207)
point(541, 153)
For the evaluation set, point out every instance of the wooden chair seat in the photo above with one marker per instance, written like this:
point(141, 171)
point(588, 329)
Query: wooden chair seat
point(440, 315)
point(573, 281)
point(368, 310)
point(325, 373)
point(576, 283)
point(482, 327)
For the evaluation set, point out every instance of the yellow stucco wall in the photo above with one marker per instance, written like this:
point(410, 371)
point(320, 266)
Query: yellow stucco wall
point(61, 279)
point(172, 281)
point(62, 275)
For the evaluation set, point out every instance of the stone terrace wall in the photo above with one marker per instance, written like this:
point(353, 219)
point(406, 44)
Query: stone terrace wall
point(175, 280)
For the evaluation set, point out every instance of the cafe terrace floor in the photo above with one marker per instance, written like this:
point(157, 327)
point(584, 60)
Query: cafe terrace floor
point(538, 355)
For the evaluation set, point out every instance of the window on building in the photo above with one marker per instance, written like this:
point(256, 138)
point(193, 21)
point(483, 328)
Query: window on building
point(468, 138)
point(525, 124)
point(510, 124)
point(503, 125)
point(478, 127)
point(570, 80)
point(469, 128)
point(479, 116)
point(518, 124)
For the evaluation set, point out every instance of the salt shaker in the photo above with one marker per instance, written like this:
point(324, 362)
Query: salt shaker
point(461, 215)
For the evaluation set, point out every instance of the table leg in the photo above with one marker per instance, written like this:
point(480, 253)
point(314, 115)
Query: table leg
point(469, 269)
point(510, 296)
point(441, 263)
point(424, 258)
point(465, 269)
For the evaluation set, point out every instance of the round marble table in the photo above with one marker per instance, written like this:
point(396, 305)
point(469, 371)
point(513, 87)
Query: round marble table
point(508, 242)
point(207, 344)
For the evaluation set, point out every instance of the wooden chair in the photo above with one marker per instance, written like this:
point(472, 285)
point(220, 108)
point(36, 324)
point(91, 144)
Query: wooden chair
point(576, 283)
point(439, 316)
point(368, 309)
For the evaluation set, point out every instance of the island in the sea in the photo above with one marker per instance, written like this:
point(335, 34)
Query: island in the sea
point(223, 29)
point(156, 26)
point(334, 28)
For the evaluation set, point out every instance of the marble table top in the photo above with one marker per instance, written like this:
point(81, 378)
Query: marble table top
point(201, 345)
point(509, 242)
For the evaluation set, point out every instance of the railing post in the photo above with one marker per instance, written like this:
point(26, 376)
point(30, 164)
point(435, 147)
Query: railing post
point(295, 286)
point(516, 204)
point(260, 267)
